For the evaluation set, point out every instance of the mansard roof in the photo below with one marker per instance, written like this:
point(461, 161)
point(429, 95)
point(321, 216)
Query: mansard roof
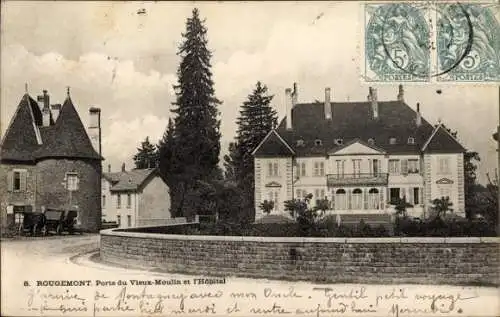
point(27, 140)
point(355, 120)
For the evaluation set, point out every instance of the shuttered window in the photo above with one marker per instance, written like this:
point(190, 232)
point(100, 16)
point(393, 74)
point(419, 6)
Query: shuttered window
point(16, 180)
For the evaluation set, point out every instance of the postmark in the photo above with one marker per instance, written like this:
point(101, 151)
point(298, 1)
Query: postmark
point(397, 43)
point(468, 43)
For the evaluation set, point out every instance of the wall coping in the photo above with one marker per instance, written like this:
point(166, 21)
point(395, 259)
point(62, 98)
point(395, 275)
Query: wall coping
point(425, 240)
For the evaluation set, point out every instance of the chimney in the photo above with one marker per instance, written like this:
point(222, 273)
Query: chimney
point(418, 120)
point(328, 107)
point(123, 167)
point(109, 168)
point(44, 104)
point(56, 110)
point(288, 106)
point(94, 128)
point(372, 96)
point(401, 93)
point(295, 94)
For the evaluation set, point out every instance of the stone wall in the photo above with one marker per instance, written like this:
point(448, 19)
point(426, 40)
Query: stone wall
point(87, 199)
point(332, 260)
point(25, 197)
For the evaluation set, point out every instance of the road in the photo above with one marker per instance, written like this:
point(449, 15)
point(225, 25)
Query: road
point(70, 258)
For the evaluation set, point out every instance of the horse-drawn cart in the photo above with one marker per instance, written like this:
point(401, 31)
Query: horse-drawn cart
point(60, 221)
point(32, 222)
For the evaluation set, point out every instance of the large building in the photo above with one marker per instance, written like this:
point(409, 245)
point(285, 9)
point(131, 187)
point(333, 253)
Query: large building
point(135, 198)
point(47, 160)
point(362, 156)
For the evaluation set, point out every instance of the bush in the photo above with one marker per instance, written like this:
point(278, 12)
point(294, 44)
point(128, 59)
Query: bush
point(439, 227)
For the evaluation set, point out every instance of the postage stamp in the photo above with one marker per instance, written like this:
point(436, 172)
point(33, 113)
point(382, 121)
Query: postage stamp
point(397, 45)
point(468, 43)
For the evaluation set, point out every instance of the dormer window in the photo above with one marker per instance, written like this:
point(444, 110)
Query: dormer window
point(392, 140)
point(371, 141)
point(411, 140)
point(318, 142)
point(339, 141)
point(300, 142)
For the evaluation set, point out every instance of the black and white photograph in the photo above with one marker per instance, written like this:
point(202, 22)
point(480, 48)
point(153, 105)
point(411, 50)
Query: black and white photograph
point(184, 158)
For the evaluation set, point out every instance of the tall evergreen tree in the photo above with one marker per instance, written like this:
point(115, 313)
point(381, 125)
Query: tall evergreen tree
point(147, 155)
point(195, 144)
point(257, 117)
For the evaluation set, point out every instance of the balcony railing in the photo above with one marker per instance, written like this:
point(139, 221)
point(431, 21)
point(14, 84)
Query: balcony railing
point(357, 179)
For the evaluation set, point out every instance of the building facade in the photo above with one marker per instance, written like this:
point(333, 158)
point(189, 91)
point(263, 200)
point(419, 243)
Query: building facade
point(135, 198)
point(47, 160)
point(363, 157)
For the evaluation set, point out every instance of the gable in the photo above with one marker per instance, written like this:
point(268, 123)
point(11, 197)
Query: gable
point(444, 181)
point(441, 141)
point(273, 145)
point(357, 147)
point(273, 184)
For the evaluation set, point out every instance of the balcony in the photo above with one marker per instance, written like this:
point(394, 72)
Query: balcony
point(365, 179)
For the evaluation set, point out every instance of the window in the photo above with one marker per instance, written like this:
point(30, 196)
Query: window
point(272, 169)
point(340, 200)
point(319, 168)
point(356, 167)
point(413, 166)
point(318, 142)
point(444, 165)
point(394, 167)
point(416, 196)
point(103, 201)
point(340, 168)
point(303, 169)
point(119, 220)
point(411, 140)
point(319, 194)
point(129, 201)
point(300, 194)
point(339, 141)
point(17, 180)
point(72, 181)
point(129, 221)
point(371, 141)
point(404, 167)
point(357, 199)
point(394, 195)
point(392, 140)
point(375, 166)
point(300, 142)
point(118, 201)
point(373, 199)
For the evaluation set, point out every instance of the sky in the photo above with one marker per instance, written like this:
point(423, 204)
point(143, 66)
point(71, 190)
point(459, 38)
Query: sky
point(126, 63)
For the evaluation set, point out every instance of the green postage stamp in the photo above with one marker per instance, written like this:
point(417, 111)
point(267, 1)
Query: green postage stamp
point(423, 42)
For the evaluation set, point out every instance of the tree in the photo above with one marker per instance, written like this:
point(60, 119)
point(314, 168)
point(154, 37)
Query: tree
point(257, 117)
point(192, 149)
point(401, 207)
point(441, 206)
point(196, 122)
point(470, 184)
point(147, 155)
point(267, 206)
